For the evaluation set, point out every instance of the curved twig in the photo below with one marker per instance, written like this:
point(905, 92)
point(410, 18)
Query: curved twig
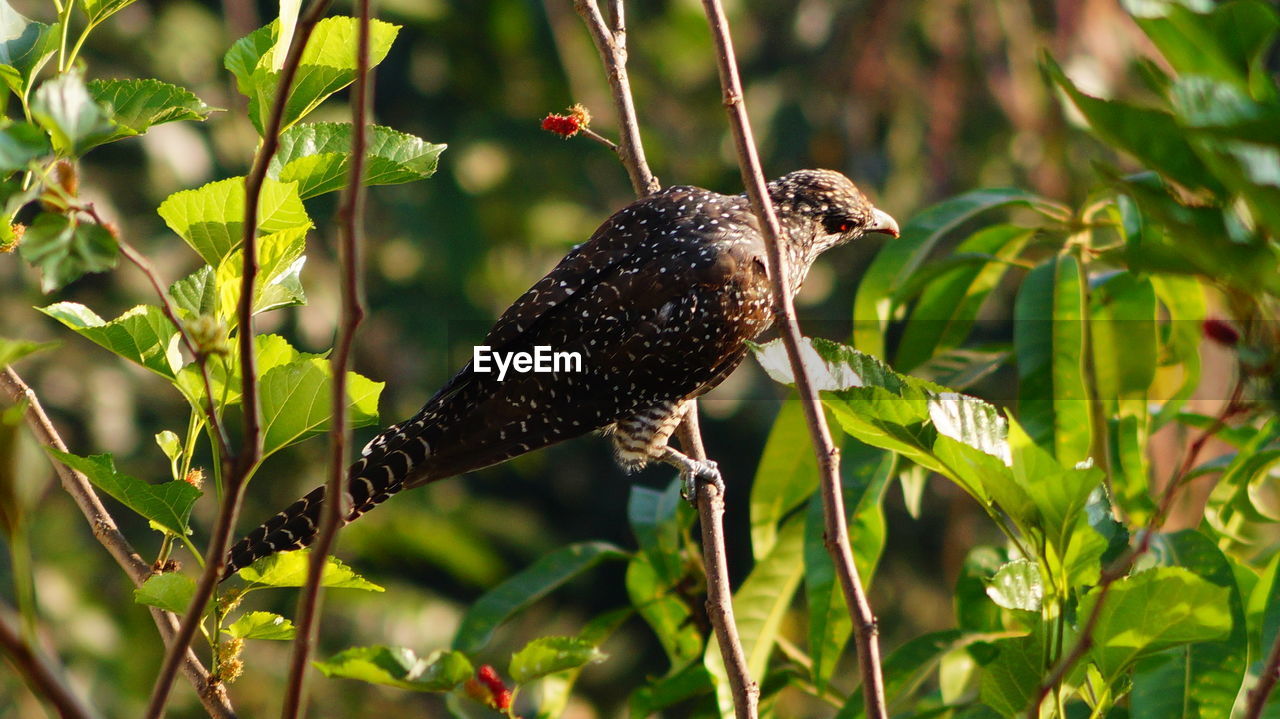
point(44, 679)
point(108, 535)
point(837, 532)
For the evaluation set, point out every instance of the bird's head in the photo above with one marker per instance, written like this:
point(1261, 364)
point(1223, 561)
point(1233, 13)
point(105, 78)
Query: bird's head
point(829, 205)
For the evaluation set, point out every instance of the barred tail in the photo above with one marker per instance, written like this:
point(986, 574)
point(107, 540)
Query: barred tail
point(371, 480)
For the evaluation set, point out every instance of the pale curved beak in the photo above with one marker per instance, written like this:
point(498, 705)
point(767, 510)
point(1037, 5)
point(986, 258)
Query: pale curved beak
point(883, 223)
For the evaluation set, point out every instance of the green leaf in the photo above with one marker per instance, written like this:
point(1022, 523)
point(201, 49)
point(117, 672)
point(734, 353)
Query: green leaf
point(909, 666)
point(1152, 136)
point(689, 682)
point(142, 335)
point(316, 156)
point(1203, 678)
point(441, 671)
point(867, 473)
point(1183, 300)
point(289, 569)
point(170, 591)
point(527, 587)
point(960, 369)
point(64, 250)
point(327, 65)
point(99, 10)
point(897, 261)
point(941, 320)
point(261, 625)
point(1059, 493)
point(196, 294)
point(760, 605)
point(168, 504)
point(1224, 111)
point(667, 612)
point(25, 47)
point(658, 519)
point(1224, 43)
point(1010, 681)
point(785, 476)
point(297, 402)
point(211, 218)
point(170, 444)
point(13, 350)
point(20, 143)
point(1154, 610)
point(975, 612)
point(548, 655)
point(1049, 340)
point(1017, 585)
point(64, 108)
point(278, 284)
point(135, 106)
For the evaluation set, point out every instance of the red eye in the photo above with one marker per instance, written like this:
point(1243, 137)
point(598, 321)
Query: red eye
point(844, 226)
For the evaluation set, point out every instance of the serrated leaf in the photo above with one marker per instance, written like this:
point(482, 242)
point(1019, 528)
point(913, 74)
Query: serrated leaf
point(279, 283)
point(296, 402)
point(66, 110)
point(316, 156)
point(261, 625)
point(536, 581)
point(20, 143)
point(327, 65)
point(1011, 679)
point(196, 294)
point(170, 591)
point(25, 47)
point(13, 350)
point(289, 569)
point(211, 218)
point(142, 335)
point(548, 655)
point(1155, 610)
point(99, 10)
point(1017, 585)
point(168, 504)
point(442, 671)
point(64, 250)
point(136, 105)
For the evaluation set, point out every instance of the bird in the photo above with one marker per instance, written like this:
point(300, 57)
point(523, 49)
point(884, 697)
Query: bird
point(658, 305)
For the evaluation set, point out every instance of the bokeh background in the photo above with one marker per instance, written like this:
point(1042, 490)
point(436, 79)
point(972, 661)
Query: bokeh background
point(914, 99)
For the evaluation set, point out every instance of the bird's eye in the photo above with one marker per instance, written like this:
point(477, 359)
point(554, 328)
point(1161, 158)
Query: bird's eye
point(836, 225)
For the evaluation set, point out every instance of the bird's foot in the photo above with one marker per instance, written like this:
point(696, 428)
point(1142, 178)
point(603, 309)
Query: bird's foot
point(692, 471)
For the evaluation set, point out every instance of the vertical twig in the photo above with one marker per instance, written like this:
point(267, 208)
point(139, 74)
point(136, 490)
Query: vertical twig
point(746, 693)
point(109, 536)
point(611, 42)
point(243, 465)
point(1120, 568)
point(44, 679)
point(837, 532)
point(350, 218)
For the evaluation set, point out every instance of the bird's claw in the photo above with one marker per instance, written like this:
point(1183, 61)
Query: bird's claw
point(699, 469)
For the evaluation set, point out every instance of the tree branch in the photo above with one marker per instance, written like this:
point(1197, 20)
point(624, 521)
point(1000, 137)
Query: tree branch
point(612, 45)
point(1266, 682)
point(108, 535)
point(44, 679)
point(350, 218)
point(746, 693)
point(837, 533)
point(244, 464)
point(1120, 568)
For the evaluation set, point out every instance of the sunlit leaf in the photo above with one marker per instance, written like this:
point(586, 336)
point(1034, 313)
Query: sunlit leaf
point(64, 108)
point(278, 284)
point(441, 671)
point(289, 569)
point(168, 504)
point(297, 402)
point(170, 591)
point(99, 10)
point(547, 655)
point(261, 625)
point(317, 155)
point(25, 47)
point(135, 105)
point(142, 335)
point(1017, 585)
point(211, 218)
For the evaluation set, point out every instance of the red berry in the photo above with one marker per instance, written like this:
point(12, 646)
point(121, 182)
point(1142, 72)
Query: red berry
point(502, 699)
point(489, 677)
point(563, 125)
point(1221, 331)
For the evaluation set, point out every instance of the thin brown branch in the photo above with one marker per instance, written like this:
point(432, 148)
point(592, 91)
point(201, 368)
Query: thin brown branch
point(166, 304)
point(837, 533)
point(1266, 682)
point(592, 134)
point(246, 462)
point(350, 219)
point(1121, 567)
point(746, 693)
point(44, 679)
point(108, 535)
point(612, 46)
